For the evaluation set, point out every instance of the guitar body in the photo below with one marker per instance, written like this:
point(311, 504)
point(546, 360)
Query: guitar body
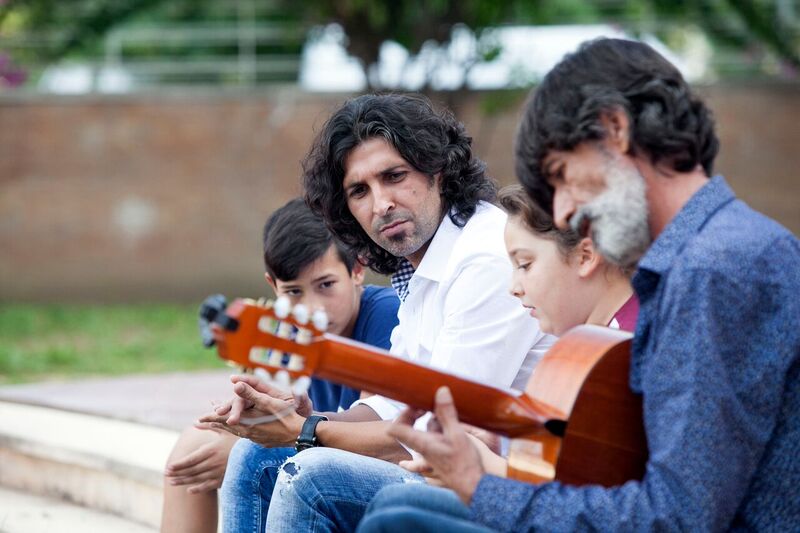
point(577, 421)
point(585, 375)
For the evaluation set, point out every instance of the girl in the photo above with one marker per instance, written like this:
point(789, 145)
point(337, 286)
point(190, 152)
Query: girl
point(559, 276)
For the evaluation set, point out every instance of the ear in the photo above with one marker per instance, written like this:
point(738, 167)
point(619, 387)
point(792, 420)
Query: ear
point(271, 281)
point(357, 274)
point(587, 257)
point(617, 126)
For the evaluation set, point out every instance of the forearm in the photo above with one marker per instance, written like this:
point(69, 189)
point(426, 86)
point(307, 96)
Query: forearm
point(556, 507)
point(359, 413)
point(363, 438)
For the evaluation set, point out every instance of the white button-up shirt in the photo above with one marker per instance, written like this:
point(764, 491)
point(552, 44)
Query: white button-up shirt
point(459, 316)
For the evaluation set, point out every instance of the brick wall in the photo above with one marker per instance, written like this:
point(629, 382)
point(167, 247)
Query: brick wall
point(163, 197)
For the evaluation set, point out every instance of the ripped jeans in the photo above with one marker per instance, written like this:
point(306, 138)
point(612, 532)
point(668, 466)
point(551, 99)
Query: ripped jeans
point(325, 489)
point(246, 490)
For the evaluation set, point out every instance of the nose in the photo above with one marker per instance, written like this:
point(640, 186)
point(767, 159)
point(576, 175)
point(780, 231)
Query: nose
point(563, 208)
point(516, 287)
point(383, 201)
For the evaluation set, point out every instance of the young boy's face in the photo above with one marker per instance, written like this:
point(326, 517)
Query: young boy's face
point(326, 284)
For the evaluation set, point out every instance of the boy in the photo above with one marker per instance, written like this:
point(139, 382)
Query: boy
point(305, 263)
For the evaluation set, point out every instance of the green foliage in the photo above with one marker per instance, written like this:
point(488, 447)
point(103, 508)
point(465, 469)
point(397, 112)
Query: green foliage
point(78, 26)
point(54, 341)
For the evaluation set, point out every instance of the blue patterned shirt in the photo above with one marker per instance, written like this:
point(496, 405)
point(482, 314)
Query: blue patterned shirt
point(717, 358)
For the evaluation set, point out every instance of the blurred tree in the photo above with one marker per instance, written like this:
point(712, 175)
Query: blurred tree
point(78, 26)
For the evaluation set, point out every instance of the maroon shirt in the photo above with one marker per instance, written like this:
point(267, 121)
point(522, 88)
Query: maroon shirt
point(626, 315)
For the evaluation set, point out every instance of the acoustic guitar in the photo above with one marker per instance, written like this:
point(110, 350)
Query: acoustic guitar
point(576, 422)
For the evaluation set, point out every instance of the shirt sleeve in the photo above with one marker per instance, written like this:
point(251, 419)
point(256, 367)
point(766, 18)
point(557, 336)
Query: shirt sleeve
point(713, 379)
point(487, 335)
point(384, 407)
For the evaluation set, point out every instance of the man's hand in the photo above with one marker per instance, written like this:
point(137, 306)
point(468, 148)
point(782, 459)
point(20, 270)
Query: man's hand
point(255, 399)
point(492, 462)
point(204, 468)
point(450, 454)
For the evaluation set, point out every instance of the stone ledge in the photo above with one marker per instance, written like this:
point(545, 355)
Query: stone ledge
point(103, 464)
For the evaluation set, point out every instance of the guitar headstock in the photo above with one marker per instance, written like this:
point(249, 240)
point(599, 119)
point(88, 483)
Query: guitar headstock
point(274, 336)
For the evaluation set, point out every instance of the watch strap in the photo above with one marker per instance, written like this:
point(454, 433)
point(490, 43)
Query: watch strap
point(308, 434)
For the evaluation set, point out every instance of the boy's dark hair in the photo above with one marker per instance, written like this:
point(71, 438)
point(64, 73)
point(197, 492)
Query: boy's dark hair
point(294, 237)
point(516, 202)
point(432, 142)
point(668, 123)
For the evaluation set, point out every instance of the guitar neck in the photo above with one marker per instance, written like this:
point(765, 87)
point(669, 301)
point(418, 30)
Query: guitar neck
point(360, 366)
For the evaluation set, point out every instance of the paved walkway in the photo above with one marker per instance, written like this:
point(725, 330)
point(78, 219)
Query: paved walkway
point(171, 401)
point(24, 513)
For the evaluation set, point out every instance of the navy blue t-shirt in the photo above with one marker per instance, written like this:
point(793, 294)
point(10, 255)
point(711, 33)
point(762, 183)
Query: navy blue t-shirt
point(377, 317)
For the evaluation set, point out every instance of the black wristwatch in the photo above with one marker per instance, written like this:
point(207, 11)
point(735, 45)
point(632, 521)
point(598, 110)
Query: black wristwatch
point(308, 435)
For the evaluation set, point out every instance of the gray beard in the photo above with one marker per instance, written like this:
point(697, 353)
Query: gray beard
point(618, 217)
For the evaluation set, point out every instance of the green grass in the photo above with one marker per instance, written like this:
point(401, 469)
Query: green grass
point(40, 342)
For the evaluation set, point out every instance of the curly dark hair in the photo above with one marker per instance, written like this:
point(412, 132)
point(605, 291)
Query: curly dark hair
point(433, 142)
point(668, 123)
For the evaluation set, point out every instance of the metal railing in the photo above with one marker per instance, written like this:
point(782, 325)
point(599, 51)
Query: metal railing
point(244, 55)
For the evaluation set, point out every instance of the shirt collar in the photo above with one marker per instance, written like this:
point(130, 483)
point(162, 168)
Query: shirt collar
point(688, 222)
point(401, 277)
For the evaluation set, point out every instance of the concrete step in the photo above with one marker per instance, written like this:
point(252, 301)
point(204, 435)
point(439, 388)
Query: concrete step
point(107, 465)
point(25, 513)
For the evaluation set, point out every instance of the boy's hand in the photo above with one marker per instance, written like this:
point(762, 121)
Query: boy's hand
point(204, 468)
point(234, 407)
point(254, 400)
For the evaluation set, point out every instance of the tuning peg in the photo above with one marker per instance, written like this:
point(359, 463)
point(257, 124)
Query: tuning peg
point(300, 313)
point(282, 307)
point(301, 386)
point(283, 379)
point(211, 307)
point(320, 319)
point(262, 374)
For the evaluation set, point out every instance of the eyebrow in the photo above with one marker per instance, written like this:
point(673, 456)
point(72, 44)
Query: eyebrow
point(323, 277)
point(553, 169)
point(383, 173)
point(391, 169)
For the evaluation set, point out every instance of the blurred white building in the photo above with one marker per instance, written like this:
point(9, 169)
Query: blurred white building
point(524, 55)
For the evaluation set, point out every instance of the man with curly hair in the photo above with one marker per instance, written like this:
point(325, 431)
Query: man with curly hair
point(396, 180)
